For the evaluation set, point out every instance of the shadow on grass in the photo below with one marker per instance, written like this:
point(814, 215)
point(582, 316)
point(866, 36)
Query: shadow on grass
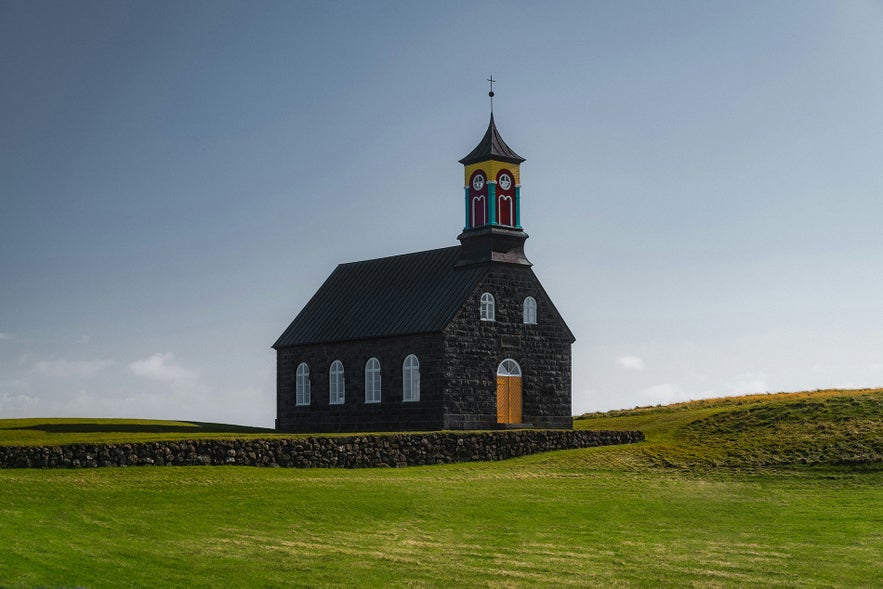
point(186, 427)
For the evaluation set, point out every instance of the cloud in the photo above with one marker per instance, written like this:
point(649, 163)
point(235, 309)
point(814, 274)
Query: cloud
point(631, 363)
point(162, 367)
point(68, 369)
point(17, 405)
point(4, 335)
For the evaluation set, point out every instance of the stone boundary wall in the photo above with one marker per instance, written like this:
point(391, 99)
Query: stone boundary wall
point(359, 451)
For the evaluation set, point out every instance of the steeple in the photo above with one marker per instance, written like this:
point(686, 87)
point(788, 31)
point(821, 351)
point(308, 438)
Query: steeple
point(490, 147)
point(492, 178)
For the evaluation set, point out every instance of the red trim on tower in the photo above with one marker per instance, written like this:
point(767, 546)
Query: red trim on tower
point(506, 198)
point(478, 204)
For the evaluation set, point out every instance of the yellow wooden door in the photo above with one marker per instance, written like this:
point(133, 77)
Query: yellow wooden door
point(509, 399)
point(502, 399)
point(515, 399)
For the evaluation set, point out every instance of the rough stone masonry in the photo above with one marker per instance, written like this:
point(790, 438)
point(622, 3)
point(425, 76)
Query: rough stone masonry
point(359, 451)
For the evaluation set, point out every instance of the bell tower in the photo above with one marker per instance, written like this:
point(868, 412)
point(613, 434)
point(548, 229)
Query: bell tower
point(492, 186)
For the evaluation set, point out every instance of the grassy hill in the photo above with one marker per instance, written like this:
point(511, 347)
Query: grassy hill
point(658, 513)
point(832, 427)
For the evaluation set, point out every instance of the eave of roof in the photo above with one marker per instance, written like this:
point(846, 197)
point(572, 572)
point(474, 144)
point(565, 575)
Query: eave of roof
point(492, 147)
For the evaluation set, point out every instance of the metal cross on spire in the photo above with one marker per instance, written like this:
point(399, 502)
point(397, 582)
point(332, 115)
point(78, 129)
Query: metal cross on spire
point(491, 93)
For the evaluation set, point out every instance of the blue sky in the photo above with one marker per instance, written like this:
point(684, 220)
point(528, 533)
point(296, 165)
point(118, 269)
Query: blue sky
point(702, 187)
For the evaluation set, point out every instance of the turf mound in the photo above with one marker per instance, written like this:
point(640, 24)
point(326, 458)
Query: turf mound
point(834, 427)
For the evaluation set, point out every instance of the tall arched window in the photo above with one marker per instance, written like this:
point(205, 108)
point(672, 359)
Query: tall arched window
point(336, 394)
point(372, 381)
point(302, 384)
point(411, 379)
point(530, 311)
point(487, 307)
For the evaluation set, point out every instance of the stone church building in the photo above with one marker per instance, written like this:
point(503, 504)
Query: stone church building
point(462, 337)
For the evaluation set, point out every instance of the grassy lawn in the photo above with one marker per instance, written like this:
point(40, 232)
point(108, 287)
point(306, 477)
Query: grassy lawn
point(532, 521)
point(676, 510)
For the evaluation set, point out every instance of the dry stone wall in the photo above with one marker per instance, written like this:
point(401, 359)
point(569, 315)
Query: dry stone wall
point(360, 451)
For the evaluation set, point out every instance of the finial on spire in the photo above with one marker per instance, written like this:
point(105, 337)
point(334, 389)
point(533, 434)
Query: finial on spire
point(491, 93)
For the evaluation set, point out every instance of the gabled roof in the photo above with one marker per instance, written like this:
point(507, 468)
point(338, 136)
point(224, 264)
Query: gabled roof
point(492, 147)
point(399, 295)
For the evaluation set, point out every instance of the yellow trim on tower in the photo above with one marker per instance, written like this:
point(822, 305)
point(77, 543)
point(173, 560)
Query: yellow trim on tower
point(491, 168)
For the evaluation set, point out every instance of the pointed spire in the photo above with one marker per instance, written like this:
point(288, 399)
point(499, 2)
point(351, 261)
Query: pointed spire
point(492, 147)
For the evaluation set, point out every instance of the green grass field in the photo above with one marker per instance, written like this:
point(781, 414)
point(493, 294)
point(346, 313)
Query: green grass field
point(785, 503)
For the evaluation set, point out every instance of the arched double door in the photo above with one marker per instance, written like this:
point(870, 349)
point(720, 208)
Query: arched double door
point(509, 392)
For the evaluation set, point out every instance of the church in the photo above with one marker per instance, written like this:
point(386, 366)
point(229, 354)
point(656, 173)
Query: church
point(458, 338)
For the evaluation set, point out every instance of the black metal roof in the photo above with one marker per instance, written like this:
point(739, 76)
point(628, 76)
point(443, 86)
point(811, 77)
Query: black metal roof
point(492, 147)
point(410, 293)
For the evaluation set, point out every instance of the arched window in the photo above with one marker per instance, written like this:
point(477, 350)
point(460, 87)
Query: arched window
point(508, 367)
point(302, 384)
point(336, 394)
point(530, 311)
point(411, 379)
point(487, 307)
point(372, 381)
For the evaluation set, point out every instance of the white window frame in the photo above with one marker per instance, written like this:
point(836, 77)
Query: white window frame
point(372, 381)
point(487, 312)
point(530, 311)
point(411, 379)
point(509, 367)
point(336, 384)
point(302, 384)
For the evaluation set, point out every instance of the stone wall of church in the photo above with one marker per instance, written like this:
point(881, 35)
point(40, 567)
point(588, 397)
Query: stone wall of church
point(355, 415)
point(473, 350)
point(458, 369)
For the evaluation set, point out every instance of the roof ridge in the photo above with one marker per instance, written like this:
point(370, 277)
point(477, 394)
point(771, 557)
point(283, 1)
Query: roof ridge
point(405, 255)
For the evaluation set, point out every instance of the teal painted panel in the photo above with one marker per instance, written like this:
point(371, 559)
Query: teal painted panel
point(492, 202)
